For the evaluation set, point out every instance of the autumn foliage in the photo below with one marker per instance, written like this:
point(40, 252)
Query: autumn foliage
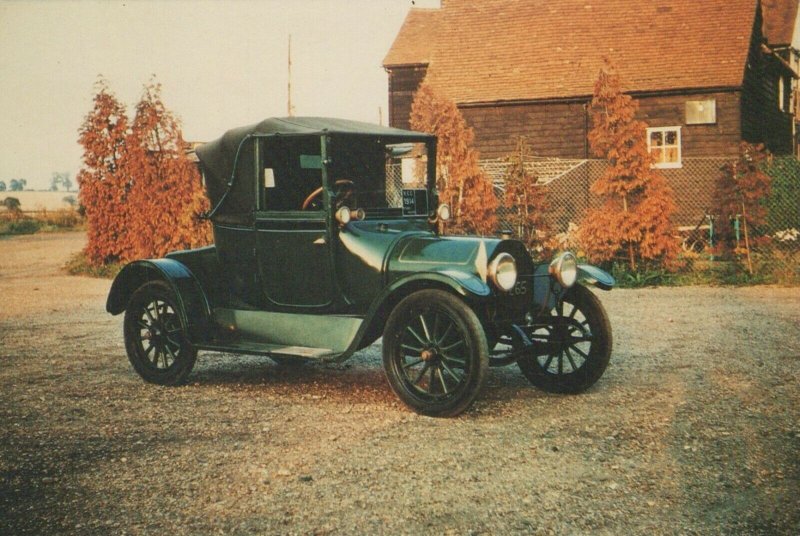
point(740, 190)
point(103, 188)
point(525, 199)
point(167, 196)
point(742, 186)
point(633, 221)
point(141, 194)
point(460, 181)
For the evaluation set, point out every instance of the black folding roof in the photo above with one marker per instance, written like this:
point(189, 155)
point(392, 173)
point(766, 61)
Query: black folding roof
point(218, 157)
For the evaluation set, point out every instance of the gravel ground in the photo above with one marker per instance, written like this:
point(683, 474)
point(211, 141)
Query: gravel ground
point(694, 429)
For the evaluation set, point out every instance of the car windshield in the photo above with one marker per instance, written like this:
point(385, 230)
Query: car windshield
point(385, 179)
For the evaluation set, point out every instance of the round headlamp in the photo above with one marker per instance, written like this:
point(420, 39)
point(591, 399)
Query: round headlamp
point(503, 272)
point(565, 269)
point(443, 212)
point(343, 215)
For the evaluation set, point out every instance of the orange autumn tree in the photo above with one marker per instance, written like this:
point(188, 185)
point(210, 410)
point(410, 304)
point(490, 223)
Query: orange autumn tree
point(460, 181)
point(740, 190)
point(525, 199)
point(103, 190)
point(633, 222)
point(166, 194)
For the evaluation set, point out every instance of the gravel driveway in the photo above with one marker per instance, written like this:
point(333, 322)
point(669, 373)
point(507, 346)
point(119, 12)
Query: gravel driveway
point(694, 429)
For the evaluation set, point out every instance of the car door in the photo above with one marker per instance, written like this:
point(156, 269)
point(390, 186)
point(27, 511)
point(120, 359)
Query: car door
point(292, 244)
point(234, 233)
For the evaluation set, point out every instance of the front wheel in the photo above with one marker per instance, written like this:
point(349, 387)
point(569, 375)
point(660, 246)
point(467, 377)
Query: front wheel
point(154, 339)
point(572, 347)
point(434, 353)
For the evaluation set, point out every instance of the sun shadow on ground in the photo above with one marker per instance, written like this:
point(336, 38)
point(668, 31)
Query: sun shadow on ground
point(360, 379)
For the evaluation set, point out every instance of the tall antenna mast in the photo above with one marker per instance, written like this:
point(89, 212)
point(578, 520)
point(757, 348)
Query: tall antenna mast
point(289, 107)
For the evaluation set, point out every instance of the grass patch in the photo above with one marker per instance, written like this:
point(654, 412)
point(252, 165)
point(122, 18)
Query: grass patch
point(18, 223)
point(627, 278)
point(776, 268)
point(719, 273)
point(78, 264)
point(19, 227)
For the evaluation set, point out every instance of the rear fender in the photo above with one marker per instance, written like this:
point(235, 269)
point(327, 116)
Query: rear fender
point(193, 307)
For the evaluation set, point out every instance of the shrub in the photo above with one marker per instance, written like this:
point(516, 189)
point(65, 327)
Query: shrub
point(12, 204)
point(79, 264)
point(166, 196)
point(640, 278)
point(740, 192)
point(140, 193)
point(23, 226)
point(60, 219)
point(525, 199)
point(103, 188)
point(783, 204)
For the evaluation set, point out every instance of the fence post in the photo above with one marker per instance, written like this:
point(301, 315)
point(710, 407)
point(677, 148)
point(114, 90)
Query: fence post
point(710, 236)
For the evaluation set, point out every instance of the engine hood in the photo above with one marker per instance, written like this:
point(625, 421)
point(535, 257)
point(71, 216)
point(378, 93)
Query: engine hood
point(455, 256)
point(379, 254)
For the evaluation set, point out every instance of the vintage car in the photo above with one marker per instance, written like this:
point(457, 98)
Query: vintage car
point(326, 238)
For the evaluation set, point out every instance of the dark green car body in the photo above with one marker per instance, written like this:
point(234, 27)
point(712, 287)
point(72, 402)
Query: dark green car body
point(287, 278)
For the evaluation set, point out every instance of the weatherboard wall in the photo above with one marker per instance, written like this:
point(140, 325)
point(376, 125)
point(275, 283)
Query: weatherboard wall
point(558, 128)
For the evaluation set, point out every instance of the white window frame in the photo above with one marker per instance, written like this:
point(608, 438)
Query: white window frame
point(663, 131)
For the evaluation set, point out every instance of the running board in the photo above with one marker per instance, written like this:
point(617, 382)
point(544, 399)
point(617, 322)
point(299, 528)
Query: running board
point(331, 333)
point(277, 350)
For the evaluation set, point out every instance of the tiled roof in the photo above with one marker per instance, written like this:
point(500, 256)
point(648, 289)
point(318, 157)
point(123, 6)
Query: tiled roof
point(413, 43)
point(488, 50)
point(779, 20)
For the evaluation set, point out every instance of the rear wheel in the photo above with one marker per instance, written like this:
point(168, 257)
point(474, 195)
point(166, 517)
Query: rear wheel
point(434, 353)
point(572, 350)
point(154, 338)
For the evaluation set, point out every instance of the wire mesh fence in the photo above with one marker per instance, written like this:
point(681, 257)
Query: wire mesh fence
point(776, 244)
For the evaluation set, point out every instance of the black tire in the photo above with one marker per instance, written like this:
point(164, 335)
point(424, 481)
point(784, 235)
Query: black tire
point(580, 349)
point(154, 338)
point(434, 353)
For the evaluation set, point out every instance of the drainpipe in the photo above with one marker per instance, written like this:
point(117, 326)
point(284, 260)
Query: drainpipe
point(586, 130)
point(586, 148)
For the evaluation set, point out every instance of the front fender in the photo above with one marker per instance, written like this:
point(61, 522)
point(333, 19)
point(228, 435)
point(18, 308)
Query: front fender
point(546, 290)
point(470, 287)
point(191, 301)
point(466, 285)
point(592, 275)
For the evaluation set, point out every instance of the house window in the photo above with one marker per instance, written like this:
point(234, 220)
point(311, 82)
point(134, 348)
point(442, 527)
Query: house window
point(701, 112)
point(664, 144)
point(784, 94)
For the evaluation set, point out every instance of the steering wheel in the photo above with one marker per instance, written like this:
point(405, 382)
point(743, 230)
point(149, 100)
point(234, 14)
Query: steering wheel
point(343, 189)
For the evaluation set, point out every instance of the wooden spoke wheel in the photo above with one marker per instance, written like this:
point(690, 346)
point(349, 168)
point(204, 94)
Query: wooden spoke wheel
point(435, 353)
point(154, 339)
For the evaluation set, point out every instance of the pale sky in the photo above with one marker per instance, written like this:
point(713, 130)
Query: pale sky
point(222, 64)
